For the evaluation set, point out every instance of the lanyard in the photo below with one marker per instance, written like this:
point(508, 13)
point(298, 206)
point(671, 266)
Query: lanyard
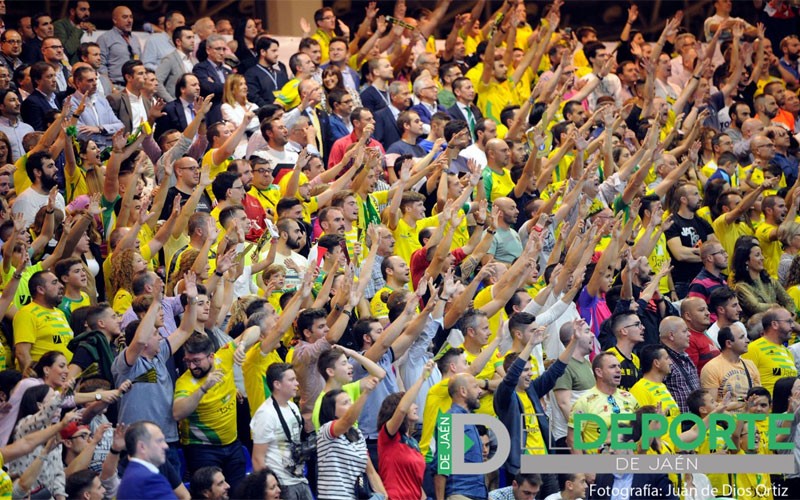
point(272, 77)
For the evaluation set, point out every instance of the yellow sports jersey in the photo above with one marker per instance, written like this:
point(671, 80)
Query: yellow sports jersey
point(437, 403)
point(497, 185)
point(21, 179)
point(254, 371)
point(487, 400)
point(494, 97)
point(647, 393)
point(535, 368)
point(68, 305)
point(600, 404)
point(772, 360)
point(6, 485)
point(75, 184)
point(794, 293)
point(208, 162)
point(214, 420)
point(561, 172)
point(772, 250)
point(45, 329)
point(704, 213)
point(324, 40)
point(368, 210)
point(629, 368)
point(406, 238)
point(727, 234)
point(288, 96)
point(657, 258)
point(122, 301)
point(474, 74)
point(752, 486)
point(377, 307)
point(268, 198)
point(534, 443)
point(481, 299)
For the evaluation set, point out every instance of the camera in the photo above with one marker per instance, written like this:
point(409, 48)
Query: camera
point(302, 452)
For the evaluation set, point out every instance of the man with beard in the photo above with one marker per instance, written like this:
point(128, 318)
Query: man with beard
point(684, 238)
point(70, 29)
point(205, 406)
point(725, 306)
point(650, 390)
point(766, 108)
point(252, 207)
point(464, 391)
point(187, 172)
point(772, 231)
point(11, 124)
point(790, 46)
point(711, 277)
point(506, 245)
point(292, 237)
point(268, 76)
point(602, 400)
point(98, 123)
point(41, 170)
point(175, 64)
point(739, 112)
point(41, 326)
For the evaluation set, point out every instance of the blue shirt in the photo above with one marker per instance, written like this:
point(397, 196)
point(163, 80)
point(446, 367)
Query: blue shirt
point(471, 485)
point(368, 421)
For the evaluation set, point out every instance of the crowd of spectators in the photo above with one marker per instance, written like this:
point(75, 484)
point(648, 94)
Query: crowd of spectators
point(228, 275)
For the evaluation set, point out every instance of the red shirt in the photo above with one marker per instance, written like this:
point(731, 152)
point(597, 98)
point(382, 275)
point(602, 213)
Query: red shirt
point(340, 146)
point(257, 215)
point(401, 466)
point(701, 349)
point(419, 263)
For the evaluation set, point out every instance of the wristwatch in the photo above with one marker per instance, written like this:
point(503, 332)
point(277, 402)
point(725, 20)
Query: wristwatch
point(98, 396)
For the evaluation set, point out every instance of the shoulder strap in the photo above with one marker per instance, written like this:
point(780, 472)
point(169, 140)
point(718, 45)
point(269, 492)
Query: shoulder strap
point(283, 422)
point(747, 373)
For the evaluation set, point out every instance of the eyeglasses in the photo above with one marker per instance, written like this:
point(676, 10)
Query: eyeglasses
point(261, 171)
point(80, 436)
point(195, 361)
point(216, 48)
point(613, 403)
point(57, 47)
point(785, 320)
point(13, 42)
point(328, 18)
point(638, 324)
point(717, 253)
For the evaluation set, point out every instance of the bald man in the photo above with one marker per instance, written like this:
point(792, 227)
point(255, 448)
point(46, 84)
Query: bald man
point(506, 245)
point(118, 45)
point(497, 176)
point(683, 379)
point(742, 149)
point(203, 28)
point(465, 392)
point(702, 349)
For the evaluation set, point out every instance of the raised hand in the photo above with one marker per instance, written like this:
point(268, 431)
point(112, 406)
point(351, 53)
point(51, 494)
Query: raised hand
point(190, 283)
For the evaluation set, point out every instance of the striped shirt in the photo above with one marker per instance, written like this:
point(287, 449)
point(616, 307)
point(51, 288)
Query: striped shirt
point(683, 378)
point(340, 463)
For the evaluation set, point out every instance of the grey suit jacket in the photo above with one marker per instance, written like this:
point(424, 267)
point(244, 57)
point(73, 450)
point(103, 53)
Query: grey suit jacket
point(122, 108)
point(168, 72)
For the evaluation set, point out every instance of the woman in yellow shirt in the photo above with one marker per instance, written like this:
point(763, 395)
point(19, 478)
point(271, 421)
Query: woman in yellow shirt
point(125, 265)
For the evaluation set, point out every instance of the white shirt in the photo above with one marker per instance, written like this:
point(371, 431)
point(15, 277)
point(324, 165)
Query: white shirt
point(267, 429)
point(472, 152)
point(609, 86)
point(187, 112)
point(152, 468)
point(29, 202)
point(138, 112)
point(188, 62)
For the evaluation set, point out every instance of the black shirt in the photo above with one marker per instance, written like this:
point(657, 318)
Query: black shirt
point(691, 232)
point(204, 205)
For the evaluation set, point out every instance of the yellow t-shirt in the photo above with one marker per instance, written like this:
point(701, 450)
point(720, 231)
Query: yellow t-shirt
point(75, 184)
point(377, 307)
point(481, 299)
point(534, 443)
point(214, 420)
point(406, 238)
point(45, 329)
point(772, 360)
point(437, 403)
point(497, 185)
point(68, 305)
point(647, 392)
point(21, 179)
point(268, 198)
point(353, 389)
point(122, 301)
point(656, 259)
point(597, 403)
point(487, 400)
point(254, 371)
point(494, 97)
point(6, 485)
point(727, 234)
point(208, 162)
point(772, 250)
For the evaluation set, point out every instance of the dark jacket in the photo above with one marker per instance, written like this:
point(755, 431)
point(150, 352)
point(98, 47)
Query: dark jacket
point(210, 83)
point(34, 109)
point(121, 105)
point(509, 408)
point(138, 482)
point(456, 113)
point(386, 131)
point(261, 87)
point(174, 118)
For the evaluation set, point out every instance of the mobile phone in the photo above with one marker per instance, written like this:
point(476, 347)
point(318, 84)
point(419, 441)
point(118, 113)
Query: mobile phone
point(343, 245)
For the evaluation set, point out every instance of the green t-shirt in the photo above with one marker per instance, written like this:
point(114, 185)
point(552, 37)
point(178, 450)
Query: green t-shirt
point(353, 389)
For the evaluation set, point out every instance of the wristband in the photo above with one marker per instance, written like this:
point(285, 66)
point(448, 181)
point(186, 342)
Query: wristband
point(483, 223)
point(17, 276)
point(491, 231)
point(203, 389)
point(696, 77)
point(338, 307)
point(113, 451)
point(192, 301)
point(48, 212)
point(76, 115)
point(219, 274)
point(347, 313)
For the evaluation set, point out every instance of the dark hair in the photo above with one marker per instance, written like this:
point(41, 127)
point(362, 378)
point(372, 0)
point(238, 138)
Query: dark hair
point(362, 327)
point(713, 190)
point(264, 43)
point(198, 343)
point(740, 268)
point(29, 404)
point(759, 392)
point(647, 203)
point(532, 479)
point(590, 49)
point(724, 335)
point(448, 358)
point(305, 320)
point(228, 213)
point(275, 373)
point(648, 355)
point(47, 360)
point(696, 400)
point(182, 83)
point(719, 297)
point(36, 162)
point(63, 266)
point(202, 480)
point(388, 407)
point(327, 360)
point(177, 33)
point(453, 127)
point(781, 393)
point(327, 413)
point(221, 184)
point(78, 482)
point(597, 363)
point(129, 67)
point(520, 320)
point(94, 313)
point(253, 486)
point(130, 331)
point(137, 432)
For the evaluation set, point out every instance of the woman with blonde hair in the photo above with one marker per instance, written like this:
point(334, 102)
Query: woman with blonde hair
point(125, 265)
point(235, 107)
point(791, 248)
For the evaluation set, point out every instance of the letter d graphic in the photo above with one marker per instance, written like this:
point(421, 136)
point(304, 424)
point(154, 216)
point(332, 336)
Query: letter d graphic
point(503, 443)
